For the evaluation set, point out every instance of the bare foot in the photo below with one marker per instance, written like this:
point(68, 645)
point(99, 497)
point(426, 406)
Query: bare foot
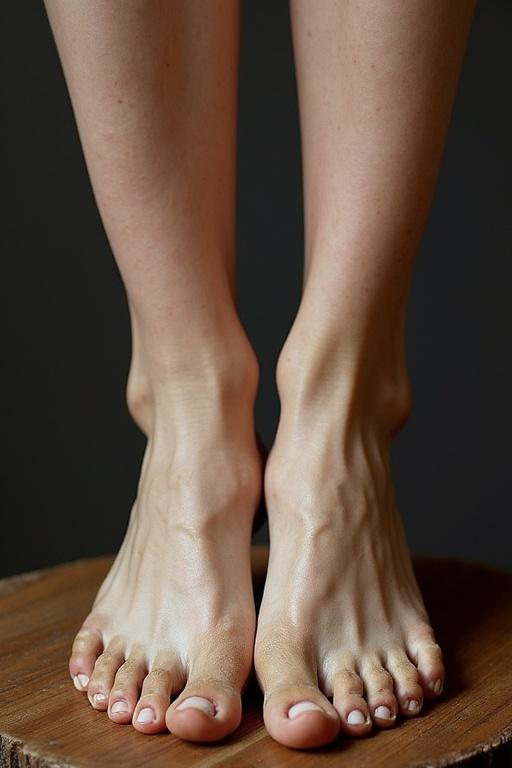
point(342, 615)
point(175, 614)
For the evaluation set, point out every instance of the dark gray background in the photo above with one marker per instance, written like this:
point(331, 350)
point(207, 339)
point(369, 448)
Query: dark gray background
point(70, 454)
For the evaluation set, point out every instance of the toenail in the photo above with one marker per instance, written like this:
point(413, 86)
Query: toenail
point(356, 717)
point(413, 705)
point(146, 715)
point(99, 697)
point(384, 713)
point(81, 682)
point(197, 702)
point(119, 707)
point(303, 706)
point(436, 686)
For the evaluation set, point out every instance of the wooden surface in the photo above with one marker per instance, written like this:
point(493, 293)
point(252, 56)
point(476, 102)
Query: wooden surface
point(44, 721)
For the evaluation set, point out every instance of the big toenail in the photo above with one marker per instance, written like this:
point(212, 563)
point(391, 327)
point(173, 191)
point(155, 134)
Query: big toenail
point(413, 705)
point(119, 707)
point(436, 686)
point(356, 717)
point(303, 706)
point(146, 715)
point(383, 712)
point(81, 682)
point(197, 702)
point(99, 697)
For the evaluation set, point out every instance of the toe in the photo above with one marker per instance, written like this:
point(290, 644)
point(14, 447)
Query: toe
point(103, 674)
point(350, 704)
point(155, 697)
point(295, 711)
point(206, 710)
point(381, 700)
point(406, 681)
point(125, 690)
point(300, 716)
point(210, 706)
point(429, 661)
point(87, 646)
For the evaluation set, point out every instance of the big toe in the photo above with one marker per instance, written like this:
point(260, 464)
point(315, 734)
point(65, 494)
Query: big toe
point(300, 716)
point(206, 710)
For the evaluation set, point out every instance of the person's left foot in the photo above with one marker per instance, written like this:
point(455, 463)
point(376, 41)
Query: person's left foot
point(342, 615)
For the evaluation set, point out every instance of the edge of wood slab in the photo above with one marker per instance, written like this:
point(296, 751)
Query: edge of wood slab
point(14, 753)
point(500, 749)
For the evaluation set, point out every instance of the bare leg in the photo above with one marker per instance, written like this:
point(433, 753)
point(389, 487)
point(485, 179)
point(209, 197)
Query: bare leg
point(342, 615)
point(153, 86)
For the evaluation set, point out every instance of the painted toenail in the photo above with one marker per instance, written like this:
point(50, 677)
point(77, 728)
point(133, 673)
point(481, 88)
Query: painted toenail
point(303, 706)
point(384, 713)
point(436, 686)
point(197, 702)
point(81, 682)
point(99, 697)
point(356, 717)
point(119, 707)
point(413, 705)
point(146, 715)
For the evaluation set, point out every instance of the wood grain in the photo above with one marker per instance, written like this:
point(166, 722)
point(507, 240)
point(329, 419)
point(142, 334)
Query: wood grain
point(45, 722)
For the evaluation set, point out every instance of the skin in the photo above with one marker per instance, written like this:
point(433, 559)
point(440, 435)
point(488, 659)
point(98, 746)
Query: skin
point(342, 615)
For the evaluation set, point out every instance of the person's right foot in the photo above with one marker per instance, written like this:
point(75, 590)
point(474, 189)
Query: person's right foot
point(176, 611)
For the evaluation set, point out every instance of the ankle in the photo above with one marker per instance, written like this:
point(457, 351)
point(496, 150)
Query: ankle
point(351, 381)
point(219, 377)
point(200, 419)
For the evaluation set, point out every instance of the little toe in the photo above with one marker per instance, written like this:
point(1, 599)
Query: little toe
point(155, 697)
point(206, 710)
point(300, 716)
point(430, 666)
point(87, 646)
point(125, 690)
point(381, 699)
point(408, 690)
point(103, 675)
point(350, 704)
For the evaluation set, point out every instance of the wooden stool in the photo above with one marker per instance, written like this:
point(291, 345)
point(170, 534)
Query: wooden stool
point(45, 722)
